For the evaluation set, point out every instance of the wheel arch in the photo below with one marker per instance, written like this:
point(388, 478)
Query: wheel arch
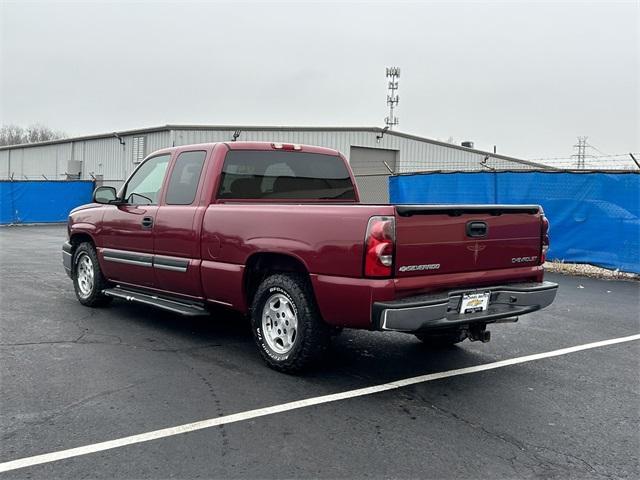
point(262, 264)
point(76, 238)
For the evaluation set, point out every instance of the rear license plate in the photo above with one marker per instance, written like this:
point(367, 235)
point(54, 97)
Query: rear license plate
point(475, 302)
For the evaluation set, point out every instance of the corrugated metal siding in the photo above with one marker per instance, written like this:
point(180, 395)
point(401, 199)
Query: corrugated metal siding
point(34, 163)
point(373, 188)
point(16, 163)
point(107, 157)
point(372, 161)
point(39, 161)
point(104, 157)
point(5, 171)
point(157, 140)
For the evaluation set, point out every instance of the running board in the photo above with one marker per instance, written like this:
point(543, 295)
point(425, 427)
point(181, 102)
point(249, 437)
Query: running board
point(182, 308)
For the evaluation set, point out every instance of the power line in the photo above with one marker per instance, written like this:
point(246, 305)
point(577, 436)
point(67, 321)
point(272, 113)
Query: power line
point(590, 156)
point(597, 149)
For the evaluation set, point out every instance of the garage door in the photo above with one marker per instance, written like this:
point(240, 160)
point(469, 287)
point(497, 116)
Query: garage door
point(372, 175)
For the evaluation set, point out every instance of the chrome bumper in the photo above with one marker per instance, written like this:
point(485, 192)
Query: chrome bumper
point(67, 256)
point(441, 311)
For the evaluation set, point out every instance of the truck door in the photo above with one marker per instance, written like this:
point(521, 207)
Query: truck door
point(126, 236)
point(177, 227)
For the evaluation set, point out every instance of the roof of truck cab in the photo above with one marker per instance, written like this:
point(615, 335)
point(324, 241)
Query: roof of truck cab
point(259, 146)
point(271, 146)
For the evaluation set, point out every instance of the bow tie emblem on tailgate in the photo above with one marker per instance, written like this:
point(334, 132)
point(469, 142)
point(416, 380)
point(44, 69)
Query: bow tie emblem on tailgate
point(476, 249)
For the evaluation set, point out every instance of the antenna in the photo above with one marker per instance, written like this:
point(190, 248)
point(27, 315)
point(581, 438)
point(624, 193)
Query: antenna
point(392, 73)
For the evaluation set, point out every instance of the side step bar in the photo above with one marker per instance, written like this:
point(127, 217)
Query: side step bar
point(182, 308)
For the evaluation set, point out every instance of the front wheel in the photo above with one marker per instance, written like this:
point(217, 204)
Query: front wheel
point(286, 323)
point(88, 280)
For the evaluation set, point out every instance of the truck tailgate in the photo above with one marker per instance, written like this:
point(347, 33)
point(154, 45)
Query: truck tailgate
point(436, 239)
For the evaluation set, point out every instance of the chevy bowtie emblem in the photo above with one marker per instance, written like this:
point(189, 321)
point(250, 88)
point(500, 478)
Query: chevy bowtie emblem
point(476, 249)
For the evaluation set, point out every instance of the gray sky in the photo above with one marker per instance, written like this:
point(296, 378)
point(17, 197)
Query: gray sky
point(528, 77)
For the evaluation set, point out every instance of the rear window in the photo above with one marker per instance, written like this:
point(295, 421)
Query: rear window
point(283, 175)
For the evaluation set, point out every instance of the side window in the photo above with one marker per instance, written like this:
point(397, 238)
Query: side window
point(184, 178)
point(144, 186)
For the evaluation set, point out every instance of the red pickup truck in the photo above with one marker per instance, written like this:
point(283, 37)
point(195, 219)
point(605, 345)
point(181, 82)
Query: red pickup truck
point(276, 231)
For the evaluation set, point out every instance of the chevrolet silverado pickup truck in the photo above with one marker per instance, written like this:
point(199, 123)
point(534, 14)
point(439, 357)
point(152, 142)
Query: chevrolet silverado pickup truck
point(277, 232)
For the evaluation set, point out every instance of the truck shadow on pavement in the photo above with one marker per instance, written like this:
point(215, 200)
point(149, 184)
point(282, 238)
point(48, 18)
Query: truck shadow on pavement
point(224, 338)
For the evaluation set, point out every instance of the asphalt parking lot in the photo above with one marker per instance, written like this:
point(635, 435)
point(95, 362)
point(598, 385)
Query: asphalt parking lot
point(73, 376)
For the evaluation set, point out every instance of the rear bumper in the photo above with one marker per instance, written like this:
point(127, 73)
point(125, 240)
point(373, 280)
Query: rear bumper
point(67, 255)
point(441, 311)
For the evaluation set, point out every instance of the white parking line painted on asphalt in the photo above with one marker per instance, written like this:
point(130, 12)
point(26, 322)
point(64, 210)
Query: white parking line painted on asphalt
point(308, 402)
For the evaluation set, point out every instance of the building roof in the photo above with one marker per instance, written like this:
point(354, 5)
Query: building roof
point(170, 127)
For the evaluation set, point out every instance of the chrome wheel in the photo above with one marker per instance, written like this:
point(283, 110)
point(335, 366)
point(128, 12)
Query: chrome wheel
point(85, 275)
point(279, 323)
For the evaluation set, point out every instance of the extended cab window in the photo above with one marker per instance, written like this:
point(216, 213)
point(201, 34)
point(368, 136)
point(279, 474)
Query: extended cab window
point(284, 175)
point(144, 186)
point(185, 177)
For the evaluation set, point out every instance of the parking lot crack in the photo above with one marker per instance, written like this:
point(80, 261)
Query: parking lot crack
point(216, 400)
point(53, 414)
point(534, 450)
point(560, 453)
point(502, 437)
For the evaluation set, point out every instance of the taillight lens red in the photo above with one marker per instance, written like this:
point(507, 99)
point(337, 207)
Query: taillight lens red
point(545, 239)
point(286, 146)
point(379, 246)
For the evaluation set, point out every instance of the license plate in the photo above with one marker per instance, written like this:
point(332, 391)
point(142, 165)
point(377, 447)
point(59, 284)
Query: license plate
point(475, 302)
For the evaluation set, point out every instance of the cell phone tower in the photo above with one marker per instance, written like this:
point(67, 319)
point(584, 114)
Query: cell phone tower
point(393, 73)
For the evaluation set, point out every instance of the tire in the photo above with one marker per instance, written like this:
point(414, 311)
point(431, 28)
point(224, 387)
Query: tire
point(88, 280)
point(441, 340)
point(335, 331)
point(287, 326)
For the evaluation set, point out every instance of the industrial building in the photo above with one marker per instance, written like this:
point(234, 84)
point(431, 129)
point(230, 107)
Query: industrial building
point(374, 153)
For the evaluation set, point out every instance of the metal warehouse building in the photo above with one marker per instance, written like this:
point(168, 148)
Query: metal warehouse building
point(372, 152)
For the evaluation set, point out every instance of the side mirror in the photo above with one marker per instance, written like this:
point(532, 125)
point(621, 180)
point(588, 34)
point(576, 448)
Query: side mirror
point(104, 195)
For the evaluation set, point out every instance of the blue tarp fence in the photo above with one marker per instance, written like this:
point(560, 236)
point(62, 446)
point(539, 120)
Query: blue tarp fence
point(41, 201)
point(595, 217)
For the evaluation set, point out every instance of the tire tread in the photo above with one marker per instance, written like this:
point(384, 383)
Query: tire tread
point(316, 335)
point(97, 298)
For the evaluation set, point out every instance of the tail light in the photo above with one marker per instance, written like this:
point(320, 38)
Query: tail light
point(379, 247)
point(545, 239)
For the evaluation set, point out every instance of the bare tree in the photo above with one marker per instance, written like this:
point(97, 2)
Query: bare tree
point(11, 135)
point(15, 134)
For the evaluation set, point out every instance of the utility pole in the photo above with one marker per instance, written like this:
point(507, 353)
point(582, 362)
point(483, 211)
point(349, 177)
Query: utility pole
point(581, 152)
point(393, 73)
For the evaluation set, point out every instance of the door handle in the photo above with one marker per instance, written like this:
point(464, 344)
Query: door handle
point(147, 222)
point(477, 229)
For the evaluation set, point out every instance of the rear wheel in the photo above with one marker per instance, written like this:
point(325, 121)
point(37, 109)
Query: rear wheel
point(88, 280)
point(286, 323)
point(441, 340)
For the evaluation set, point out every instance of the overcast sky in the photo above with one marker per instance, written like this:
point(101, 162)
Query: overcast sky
point(528, 77)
